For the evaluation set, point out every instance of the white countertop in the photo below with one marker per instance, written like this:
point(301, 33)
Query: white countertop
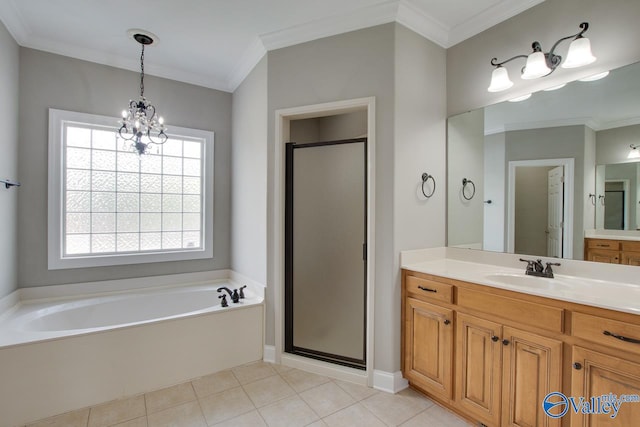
point(614, 294)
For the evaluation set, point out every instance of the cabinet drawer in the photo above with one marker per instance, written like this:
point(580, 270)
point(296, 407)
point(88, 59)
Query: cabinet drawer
point(531, 313)
point(613, 333)
point(604, 244)
point(428, 289)
point(631, 246)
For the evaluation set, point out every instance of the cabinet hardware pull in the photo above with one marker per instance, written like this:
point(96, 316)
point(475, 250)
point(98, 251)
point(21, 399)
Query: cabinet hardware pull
point(505, 342)
point(620, 337)
point(495, 338)
point(577, 366)
point(447, 321)
point(427, 289)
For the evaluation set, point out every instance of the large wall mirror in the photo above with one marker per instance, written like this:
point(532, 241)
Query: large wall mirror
point(534, 177)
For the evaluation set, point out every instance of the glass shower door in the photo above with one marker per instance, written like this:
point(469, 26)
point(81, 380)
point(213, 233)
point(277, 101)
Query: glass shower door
point(325, 245)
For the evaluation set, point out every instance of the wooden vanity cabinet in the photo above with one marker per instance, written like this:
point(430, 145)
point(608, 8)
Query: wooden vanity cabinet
point(492, 355)
point(597, 374)
point(612, 251)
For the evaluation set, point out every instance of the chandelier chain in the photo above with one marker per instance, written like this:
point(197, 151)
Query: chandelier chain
point(142, 72)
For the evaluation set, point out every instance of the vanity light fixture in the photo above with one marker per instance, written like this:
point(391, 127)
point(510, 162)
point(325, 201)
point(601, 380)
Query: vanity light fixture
point(634, 153)
point(140, 125)
point(541, 64)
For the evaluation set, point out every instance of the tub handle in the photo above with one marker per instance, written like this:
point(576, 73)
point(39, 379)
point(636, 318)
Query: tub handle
point(224, 302)
point(242, 291)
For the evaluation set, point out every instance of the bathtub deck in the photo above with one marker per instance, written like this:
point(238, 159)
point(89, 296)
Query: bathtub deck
point(261, 394)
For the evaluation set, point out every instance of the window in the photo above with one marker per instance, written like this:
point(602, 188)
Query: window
point(109, 206)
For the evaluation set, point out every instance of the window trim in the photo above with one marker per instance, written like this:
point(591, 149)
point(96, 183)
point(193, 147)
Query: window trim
point(56, 187)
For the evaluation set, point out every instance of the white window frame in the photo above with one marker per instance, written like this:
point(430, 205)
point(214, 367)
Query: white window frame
point(56, 258)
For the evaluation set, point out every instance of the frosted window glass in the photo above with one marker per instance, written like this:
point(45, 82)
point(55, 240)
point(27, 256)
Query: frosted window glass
point(191, 185)
point(172, 222)
point(150, 183)
point(103, 181)
point(172, 203)
point(192, 149)
point(150, 203)
point(78, 201)
point(191, 239)
point(103, 202)
point(172, 165)
point(128, 162)
point(103, 223)
point(128, 242)
point(78, 137)
point(171, 240)
point(104, 140)
point(78, 244)
point(192, 167)
point(150, 222)
point(78, 179)
point(173, 147)
point(171, 184)
point(103, 243)
point(127, 222)
point(78, 223)
point(191, 203)
point(151, 164)
point(78, 158)
point(191, 221)
point(129, 182)
point(103, 160)
point(128, 202)
point(150, 241)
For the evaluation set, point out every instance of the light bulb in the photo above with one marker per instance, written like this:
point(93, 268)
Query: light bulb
point(124, 114)
point(161, 120)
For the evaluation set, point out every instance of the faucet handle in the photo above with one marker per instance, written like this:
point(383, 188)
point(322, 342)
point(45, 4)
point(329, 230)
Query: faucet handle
point(530, 264)
point(223, 301)
point(242, 291)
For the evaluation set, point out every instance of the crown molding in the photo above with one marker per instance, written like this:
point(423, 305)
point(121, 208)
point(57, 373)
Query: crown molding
point(415, 19)
point(14, 22)
point(488, 18)
point(331, 26)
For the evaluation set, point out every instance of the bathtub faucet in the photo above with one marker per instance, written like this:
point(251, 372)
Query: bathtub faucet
point(242, 291)
point(234, 295)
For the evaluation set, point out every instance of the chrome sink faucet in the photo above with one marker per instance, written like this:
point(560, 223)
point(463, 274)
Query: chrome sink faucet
point(536, 268)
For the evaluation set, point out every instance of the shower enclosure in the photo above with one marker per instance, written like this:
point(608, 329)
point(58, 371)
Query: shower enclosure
point(325, 251)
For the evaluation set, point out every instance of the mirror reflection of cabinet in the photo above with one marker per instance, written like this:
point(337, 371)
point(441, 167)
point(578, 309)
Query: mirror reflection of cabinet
point(612, 251)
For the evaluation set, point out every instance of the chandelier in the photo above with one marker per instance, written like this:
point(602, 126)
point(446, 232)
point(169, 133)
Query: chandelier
point(541, 64)
point(140, 125)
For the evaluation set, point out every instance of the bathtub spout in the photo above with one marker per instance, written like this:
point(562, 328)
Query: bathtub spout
point(234, 295)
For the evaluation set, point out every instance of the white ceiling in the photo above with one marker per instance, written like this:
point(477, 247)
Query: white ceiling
point(216, 43)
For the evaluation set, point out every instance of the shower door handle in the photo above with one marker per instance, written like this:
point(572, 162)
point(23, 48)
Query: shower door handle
point(364, 252)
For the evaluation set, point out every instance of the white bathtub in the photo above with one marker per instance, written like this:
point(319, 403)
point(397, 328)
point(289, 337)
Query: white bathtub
point(60, 354)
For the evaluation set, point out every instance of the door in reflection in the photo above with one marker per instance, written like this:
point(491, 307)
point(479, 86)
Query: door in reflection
point(325, 251)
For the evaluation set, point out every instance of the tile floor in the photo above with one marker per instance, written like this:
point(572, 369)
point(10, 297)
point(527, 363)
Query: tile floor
point(262, 394)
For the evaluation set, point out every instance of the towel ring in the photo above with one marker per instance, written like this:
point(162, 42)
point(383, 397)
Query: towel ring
point(426, 177)
point(466, 181)
point(601, 198)
point(592, 197)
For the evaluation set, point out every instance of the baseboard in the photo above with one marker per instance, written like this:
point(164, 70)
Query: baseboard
point(269, 354)
point(390, 382)
point(330, 370)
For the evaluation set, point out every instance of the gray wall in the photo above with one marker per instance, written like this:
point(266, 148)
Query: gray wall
point(249, 176)
point(54, 81)
point(465, 152)
point(9, 60)
point(612, 145)
point(353, 65)
point(614, 32)
point(543, 144)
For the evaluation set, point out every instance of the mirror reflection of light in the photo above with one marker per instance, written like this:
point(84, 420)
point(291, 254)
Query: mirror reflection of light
point(595, 77)
point(520, 98)
point(555, 87)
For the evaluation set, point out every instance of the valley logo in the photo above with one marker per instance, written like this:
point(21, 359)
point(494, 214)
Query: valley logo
point(556, 404)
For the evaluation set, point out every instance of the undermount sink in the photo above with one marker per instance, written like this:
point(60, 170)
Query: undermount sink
point(522, 280)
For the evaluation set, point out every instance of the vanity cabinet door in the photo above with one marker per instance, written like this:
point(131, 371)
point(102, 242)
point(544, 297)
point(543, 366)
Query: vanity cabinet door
point(428, 347)
point(631, 258)
point(596, 374)
point(478, 374)
point(532, 368)
point(601, 255)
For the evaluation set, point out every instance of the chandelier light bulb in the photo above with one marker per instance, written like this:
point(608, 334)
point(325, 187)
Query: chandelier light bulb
point(124, 114)
point(161, 120)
